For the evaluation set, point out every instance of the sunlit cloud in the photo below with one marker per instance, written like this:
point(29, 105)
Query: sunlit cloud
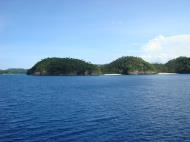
point(163, 48)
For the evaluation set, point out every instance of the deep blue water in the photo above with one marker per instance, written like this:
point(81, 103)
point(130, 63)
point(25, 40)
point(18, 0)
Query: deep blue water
point(95, 109)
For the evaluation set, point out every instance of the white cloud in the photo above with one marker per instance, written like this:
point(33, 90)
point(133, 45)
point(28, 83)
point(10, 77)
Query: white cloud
point(163, 48)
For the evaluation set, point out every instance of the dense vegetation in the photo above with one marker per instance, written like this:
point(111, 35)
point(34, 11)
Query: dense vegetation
point(123, 65)
point(179, 65)
point(63, 66)
point(13, 71)
point(69, 66)
point(160, 67)
point(129, 65)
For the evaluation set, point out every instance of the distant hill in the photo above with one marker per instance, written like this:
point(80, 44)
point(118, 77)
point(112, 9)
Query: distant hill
point(13, 71)
point(70, 66)
point(179, 65)
point(63, 66)
point(129, 65)
point(124, 65)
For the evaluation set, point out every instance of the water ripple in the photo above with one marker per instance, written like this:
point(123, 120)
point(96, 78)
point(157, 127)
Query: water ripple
point(102, 109)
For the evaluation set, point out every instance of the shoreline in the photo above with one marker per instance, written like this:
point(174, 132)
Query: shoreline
point(112, 74)
point(166, 73)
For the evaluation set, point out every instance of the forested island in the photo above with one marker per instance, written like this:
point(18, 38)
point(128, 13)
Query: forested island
point(179, 65)
point(63, 66)
point(128, 65)
point(13, 71)
point(125, 65)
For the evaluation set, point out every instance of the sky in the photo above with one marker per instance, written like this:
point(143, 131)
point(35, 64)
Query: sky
point(97, 31)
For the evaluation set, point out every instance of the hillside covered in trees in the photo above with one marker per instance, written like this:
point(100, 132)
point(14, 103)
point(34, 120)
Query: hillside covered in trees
point(13, 71)
point(124, 65)
point(179, 65)
point(129, 65)
point(63, 66)
point(70, 66)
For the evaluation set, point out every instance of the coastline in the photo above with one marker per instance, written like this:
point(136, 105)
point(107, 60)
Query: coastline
point(112, 74)
point(166, 73)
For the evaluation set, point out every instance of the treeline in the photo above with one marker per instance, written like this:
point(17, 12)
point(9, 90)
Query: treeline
point(13, 71)
point(63, 66)
point(70, 66)
point(178, 65)
point(129, 65)
point(123, 65)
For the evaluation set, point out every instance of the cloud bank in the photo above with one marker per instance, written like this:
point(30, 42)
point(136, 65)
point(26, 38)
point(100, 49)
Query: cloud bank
point(163, 48)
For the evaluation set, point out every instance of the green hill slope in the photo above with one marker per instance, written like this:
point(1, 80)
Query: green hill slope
point(124, 65)
point(129, 65)
point(63, 66)
point(179, 65)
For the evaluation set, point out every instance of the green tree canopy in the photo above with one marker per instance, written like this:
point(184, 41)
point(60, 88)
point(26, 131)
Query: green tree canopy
point(62, 66)
point(129, 65)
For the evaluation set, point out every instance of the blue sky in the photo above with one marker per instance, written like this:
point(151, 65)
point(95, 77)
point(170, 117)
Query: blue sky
point(98, 31)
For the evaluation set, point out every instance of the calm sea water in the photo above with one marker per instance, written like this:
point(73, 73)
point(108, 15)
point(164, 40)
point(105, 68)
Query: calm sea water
point(95, 109)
